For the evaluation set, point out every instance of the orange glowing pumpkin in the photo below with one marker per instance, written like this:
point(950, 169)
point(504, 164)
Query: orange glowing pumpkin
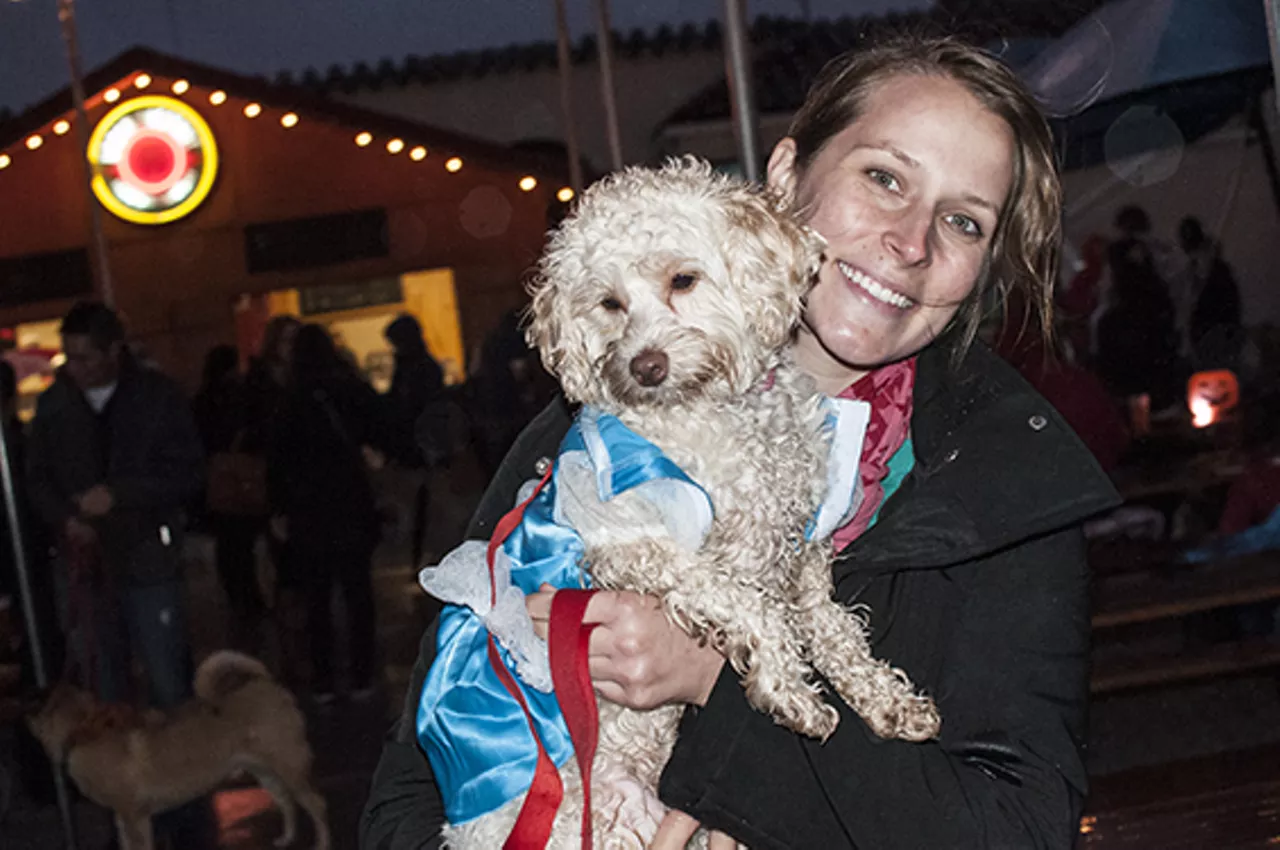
point(1211, 395)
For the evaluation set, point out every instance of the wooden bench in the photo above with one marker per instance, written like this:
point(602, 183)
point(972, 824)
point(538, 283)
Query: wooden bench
point(1173, 593)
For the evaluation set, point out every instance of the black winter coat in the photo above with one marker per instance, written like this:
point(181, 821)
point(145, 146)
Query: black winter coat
point(149, 456)
point(976, 579)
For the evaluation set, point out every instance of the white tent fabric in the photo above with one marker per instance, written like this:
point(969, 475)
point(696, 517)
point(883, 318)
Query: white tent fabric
point(1134, 45)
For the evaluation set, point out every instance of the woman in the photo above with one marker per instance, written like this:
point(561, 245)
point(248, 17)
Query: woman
point(222, 416)
point(319, 484)
point(930, 172)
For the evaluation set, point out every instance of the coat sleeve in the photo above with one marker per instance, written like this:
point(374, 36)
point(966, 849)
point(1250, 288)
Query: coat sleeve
point(50, 504)
point(404, 810)
point(1006, 772)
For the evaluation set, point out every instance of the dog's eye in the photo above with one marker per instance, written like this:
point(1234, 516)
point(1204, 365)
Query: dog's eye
point(611, 304)
point(683, 281)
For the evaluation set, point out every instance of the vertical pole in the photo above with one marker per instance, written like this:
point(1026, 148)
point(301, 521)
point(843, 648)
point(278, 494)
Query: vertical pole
point(22, 568)
point(67, 19)
point(1273, 36)
point(566, 97)
point(604, 37)
point(737, 57)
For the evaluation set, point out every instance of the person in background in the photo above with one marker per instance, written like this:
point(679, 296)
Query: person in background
point(266, 385)
point(113, 461)
point(416, 396)
point(319, 486)
point(1137, 338)
point(1214, 332)
point(222, 417)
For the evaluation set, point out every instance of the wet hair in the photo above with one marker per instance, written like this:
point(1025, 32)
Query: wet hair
point(1025, 248)
point(95, 320)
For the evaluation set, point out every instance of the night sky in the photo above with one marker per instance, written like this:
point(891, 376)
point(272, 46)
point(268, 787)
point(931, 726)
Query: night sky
point(267, 36)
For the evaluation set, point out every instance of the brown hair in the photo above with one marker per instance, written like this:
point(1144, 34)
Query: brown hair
point(1024, 250)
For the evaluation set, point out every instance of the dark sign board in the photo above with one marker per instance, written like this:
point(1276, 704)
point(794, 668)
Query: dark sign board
point(43, 277)
point(331, 298)
point(308, 243)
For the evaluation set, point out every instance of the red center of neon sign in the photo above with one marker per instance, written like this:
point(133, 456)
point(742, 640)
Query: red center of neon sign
point(152, 161)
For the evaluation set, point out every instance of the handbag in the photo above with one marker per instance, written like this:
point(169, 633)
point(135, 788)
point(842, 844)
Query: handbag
point(237, 482)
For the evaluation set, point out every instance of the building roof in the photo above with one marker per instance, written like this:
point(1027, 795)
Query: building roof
point(787, 55)
point(984, 19)
point(273, 94)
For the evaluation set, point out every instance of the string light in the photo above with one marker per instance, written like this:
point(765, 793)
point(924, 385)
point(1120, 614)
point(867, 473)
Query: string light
point(111, 95)
point(180, 87)
point(289, 119)
point(60, 128)
point(453, 164)
point(528, 183)
point(218, 98)
point(565, 195)
point(34, 142)
point(395, 146)
point(252, 110)
point(4, 161)
point(363, 139)
point(142, 81)
point(418, 154)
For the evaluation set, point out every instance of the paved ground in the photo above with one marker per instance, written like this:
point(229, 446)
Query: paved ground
point(1128, 731)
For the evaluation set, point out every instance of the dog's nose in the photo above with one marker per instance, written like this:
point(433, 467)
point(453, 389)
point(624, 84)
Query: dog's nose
point(649, 367)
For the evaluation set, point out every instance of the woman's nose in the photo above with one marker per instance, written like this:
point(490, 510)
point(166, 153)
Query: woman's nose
point(907, 237)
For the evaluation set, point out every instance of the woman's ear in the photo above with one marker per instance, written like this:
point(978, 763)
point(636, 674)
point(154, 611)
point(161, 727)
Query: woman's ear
point(781, 170)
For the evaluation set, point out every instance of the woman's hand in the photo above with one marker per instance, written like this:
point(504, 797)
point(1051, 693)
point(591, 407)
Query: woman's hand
point(677, 828)
point(637, 657)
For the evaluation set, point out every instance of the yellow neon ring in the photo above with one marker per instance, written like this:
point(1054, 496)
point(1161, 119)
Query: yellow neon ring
point(208, 171)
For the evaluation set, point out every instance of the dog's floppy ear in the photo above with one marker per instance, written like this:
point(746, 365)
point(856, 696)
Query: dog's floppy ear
point(554, 328)
point(774, 259)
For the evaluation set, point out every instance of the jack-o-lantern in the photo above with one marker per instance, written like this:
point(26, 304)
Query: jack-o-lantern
point(1211, 396)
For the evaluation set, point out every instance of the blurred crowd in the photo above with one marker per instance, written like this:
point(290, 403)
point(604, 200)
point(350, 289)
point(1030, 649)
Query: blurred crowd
point(286, 457)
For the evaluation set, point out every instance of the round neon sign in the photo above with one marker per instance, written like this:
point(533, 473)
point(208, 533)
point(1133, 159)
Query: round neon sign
point(154, 160)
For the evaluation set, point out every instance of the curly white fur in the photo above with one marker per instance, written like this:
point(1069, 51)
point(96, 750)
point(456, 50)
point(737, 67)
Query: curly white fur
point(703, 276)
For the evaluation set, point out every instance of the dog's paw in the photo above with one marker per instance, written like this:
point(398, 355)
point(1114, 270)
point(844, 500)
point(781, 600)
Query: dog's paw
point(915, 718)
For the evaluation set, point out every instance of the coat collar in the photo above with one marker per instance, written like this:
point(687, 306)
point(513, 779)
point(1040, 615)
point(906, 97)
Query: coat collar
point(995, 465)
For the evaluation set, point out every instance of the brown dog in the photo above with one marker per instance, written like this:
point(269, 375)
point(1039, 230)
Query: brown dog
point(138, 765)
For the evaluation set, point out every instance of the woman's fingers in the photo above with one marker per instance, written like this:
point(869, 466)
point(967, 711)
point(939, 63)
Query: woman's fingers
point(720, 841)
point(674, 832)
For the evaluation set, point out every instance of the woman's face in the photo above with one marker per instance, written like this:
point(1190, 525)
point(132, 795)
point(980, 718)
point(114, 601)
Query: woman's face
point(908, 198)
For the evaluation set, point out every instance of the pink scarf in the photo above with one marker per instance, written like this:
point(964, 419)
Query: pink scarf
point(889, 390)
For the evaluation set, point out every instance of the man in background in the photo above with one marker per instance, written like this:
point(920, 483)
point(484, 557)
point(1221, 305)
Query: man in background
point(112, 461)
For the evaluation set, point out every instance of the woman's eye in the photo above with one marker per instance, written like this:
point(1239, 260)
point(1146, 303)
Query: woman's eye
point(683, 281)
point(885, 179)
point(965, 224)
point(611, 304)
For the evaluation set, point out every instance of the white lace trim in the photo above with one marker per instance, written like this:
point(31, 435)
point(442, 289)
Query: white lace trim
point(462, 578)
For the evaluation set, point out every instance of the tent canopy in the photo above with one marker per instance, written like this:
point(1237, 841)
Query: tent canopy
point(1129, 46)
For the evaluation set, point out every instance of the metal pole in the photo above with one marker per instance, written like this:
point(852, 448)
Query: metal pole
point(737, 60)
point(604, 37)
point(1273, 35)
point(566, 97)
point(22, 568)
point(67, 19)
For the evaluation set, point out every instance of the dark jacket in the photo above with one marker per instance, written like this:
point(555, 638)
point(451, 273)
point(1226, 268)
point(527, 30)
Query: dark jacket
point(977, 584)
point(317, 476)
point(144, 447)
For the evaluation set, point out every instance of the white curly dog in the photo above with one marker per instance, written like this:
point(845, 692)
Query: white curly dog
point(667, 299)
